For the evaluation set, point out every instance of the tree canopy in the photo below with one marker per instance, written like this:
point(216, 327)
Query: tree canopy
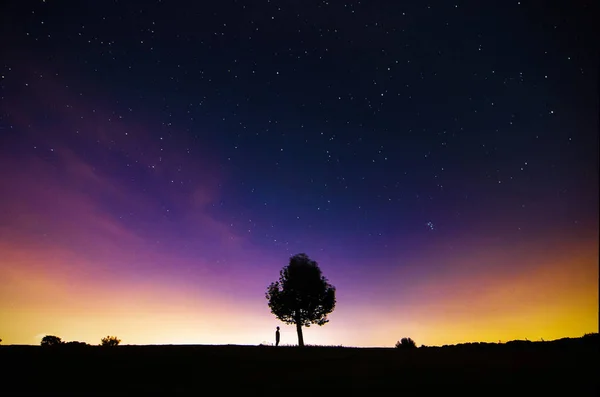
point(406, 343)
point(51, 340)
point(110, 341)
point(302, 295)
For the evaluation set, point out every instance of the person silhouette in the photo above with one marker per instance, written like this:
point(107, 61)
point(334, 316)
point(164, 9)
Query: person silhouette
point(277, 337)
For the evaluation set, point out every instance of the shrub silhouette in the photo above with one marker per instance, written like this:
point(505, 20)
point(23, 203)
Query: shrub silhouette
point(75, 343)
point(110, 341)
point(406, 343)
point(51, 340)
point(302, 296)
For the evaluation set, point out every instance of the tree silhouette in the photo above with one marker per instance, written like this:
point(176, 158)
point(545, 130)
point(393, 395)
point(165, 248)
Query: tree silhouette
point(302, 296)
point(406, 343)
point(74, 345)
point(110, 341)
point(51, 340)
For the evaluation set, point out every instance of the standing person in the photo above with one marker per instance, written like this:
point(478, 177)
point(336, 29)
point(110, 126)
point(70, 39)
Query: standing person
point(277, 337)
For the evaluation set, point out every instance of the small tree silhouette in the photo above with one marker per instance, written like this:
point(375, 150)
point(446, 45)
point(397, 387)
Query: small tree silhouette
point(75, 343)
point(110, 341)
point(51, 340)
point(302, 296)
point(406, 343)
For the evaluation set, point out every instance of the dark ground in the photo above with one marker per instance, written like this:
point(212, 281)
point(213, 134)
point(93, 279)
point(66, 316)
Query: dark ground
point(567, 367)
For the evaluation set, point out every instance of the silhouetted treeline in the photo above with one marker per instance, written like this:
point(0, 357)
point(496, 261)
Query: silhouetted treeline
point(588, 339)
point(55, 341)
point(75, 343)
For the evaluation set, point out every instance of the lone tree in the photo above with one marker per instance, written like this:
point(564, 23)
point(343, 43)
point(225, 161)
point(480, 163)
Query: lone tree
point(302, 296)
point(406, 343)
point(110, 341)
point(51, 340)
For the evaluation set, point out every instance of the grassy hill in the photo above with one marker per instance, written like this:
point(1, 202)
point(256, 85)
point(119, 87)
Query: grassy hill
point(567, 366)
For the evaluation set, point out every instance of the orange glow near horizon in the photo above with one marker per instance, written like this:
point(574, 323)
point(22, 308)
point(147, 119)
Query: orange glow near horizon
point(558, 299)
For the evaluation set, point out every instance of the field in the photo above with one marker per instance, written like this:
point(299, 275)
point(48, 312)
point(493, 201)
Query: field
point(568, 367)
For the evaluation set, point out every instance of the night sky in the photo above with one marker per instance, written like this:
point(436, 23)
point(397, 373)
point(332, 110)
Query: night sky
point(160, 161)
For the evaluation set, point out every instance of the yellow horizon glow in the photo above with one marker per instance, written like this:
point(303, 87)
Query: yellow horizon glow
point(555, 299)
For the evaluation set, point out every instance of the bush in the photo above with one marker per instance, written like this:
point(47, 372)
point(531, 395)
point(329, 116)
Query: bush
point(406, 343)
point(51, 340)
point(110, 341)
point(75, 343)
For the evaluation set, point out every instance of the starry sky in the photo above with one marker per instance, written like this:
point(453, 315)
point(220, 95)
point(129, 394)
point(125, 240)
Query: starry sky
point(160, 161)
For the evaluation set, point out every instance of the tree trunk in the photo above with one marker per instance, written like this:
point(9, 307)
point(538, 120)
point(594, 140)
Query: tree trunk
point(300, 337)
